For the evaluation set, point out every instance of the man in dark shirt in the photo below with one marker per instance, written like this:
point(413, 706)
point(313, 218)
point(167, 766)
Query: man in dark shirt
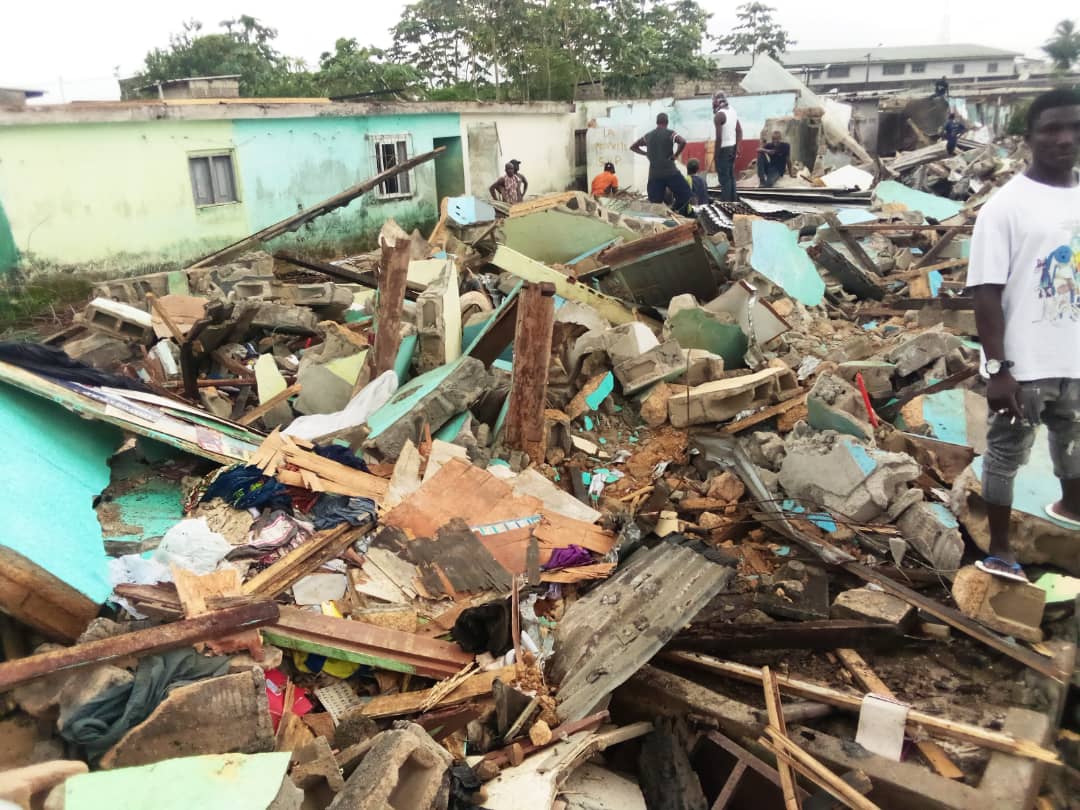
point(952, 131)
point(662, 147)
point(773, 160)
point(941, 87)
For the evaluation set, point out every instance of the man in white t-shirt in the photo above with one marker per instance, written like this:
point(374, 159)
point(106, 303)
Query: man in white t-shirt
point(1024, 272)
point(726, 147)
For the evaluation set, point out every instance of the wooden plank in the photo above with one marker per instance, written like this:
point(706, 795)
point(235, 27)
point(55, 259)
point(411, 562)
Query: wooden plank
point(291, 223)
point(940, 726)
point(336, 272)
point(524, 428)
point(413, 702)
point(522, 209)
point(936, 249)
point(498, 335)
point(740, 425)
point(777, 724)
point(299, 562)
point(851, 243)
point(874, 227)
point(259, 412)
point(393, 277)
point(821, 634)
point(138, 642)
point(868, 680)
point(807, 765)
point(956, 619)
point(644, 245)
point(502, 756)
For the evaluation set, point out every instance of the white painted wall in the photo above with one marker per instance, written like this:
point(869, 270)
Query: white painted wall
point(973, 69)
point(543, 142)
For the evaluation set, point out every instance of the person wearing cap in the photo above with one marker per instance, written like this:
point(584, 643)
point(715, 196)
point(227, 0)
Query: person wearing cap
point(728, 139)
point(509, 188)
point(606, 183)
point(523, 178)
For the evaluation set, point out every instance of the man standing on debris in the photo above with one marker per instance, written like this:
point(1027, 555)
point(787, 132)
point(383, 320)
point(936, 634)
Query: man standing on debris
point(941, 87)
point(774, 160)
point(509, 188)
point(662, 147)
point(606, 183)
point(952, 131)
point(728, 139)
point(1024, 270)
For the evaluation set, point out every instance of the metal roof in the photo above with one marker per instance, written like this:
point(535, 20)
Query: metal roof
point(835, 56)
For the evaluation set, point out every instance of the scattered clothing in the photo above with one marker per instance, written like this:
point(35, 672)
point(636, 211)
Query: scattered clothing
point(99, 723)
point(246, 487)
point(568, 557)
point(332, 510)
point(51, 362)
point(342, 455)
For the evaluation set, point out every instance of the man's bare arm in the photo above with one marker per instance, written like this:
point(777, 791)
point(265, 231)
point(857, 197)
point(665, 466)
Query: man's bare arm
point(1002, 391)
point(492, 189)
point(680, 144)
point(738, 136)
point(638, 147)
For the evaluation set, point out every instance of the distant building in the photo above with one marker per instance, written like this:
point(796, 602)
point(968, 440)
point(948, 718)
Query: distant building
point(192, 87)
point(887, 68)
point(16, 97)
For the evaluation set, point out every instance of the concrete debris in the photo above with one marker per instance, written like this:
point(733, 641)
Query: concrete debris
point(533, 448)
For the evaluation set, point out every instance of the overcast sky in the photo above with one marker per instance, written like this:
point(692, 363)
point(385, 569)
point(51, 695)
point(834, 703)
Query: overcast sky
point(85, 44)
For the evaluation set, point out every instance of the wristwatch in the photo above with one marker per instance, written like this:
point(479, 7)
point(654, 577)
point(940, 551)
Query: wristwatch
point(994, 367)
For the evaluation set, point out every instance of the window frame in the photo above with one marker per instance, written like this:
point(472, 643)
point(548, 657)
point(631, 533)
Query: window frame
point(894, 69)
point(918, 67)
point(992, 67)
point(215, 191)
point(398, 139)
point(838, 72)
point(959, 68)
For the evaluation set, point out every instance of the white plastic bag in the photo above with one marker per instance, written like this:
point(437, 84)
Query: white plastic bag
point(372, 397)
point(191, 545)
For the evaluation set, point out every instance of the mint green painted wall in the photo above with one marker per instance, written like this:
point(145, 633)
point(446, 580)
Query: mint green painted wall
point(113, 198)
point(9, 253)
point(58, 464)
point(289, 164)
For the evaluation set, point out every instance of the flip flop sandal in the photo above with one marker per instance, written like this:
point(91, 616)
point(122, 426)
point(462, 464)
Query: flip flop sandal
point(1013, 572)
point(1057, 514)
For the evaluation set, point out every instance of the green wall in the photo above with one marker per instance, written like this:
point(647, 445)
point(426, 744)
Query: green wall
point(116, 199)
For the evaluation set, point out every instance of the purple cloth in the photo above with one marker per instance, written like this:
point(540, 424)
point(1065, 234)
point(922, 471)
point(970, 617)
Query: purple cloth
point(568, 557)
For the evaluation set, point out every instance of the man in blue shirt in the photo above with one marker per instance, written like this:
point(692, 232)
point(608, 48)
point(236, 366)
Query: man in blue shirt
point(773, 161)
point(952, 131)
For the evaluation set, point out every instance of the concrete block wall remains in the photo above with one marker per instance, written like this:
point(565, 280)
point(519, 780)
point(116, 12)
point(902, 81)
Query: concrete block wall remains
point(404, 770)
point(438, 320)
point(664, 362)
point(721, 400)
point(834, 404)
point(121, 320)
point(934, 532)
point(1013, 608)
point(922, 350)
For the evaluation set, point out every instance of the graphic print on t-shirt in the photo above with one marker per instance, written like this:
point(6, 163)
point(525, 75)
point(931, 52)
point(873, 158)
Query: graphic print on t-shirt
point(1059, 276)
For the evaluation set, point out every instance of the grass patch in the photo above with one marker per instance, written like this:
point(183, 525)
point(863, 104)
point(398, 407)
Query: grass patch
point(20, 303)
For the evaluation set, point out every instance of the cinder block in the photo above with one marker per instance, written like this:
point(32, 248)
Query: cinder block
point(405, 768)
point(933, 530)
point(98, 350)
point(285, 318)
point(438, 320)
point(721, 400)
point(1013, 608)
point(121, 320)
point(664, 362)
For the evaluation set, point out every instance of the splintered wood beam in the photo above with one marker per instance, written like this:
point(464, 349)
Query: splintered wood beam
point(139, 642)
point(852, 244)
point(260, 411)
point(931, 255)
point(525, 429)
point(393, 277)
point(779, 725)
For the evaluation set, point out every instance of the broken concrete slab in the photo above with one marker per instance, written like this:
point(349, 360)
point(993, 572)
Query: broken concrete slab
point(717, 333)
point(229, 714)
point(872, 606)
point(877, 375)
point(862, 480)
point(702, 366)
point(607, 635)
point(834, 404)
point(958, 416)
point(328, 387)
point(1012, 608)
point(721, 400)
point(777, 256)
point(433, 399)
point(285, 318)
point(438, 320)
point(922, 350)
point(628, 341)
point(757, 318)
point(934, 532)
point(654, 407)
point(404, 768)
point(663, 362)
point(1034, 537)
point(99, 350)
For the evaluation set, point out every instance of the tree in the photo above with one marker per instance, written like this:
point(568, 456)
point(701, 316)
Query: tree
point(1064, 47)
point(756, 32)
point(353, 70)
point(246, 48)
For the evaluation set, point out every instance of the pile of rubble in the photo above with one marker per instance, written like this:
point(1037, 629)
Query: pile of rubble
point(552, 508)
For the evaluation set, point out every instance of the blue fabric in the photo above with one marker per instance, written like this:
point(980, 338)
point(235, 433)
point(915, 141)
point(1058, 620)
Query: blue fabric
point(247, 487)
point(678, 186)
point(767, 174)
point(699, 190)
point(333, 510)
point(342, 455)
